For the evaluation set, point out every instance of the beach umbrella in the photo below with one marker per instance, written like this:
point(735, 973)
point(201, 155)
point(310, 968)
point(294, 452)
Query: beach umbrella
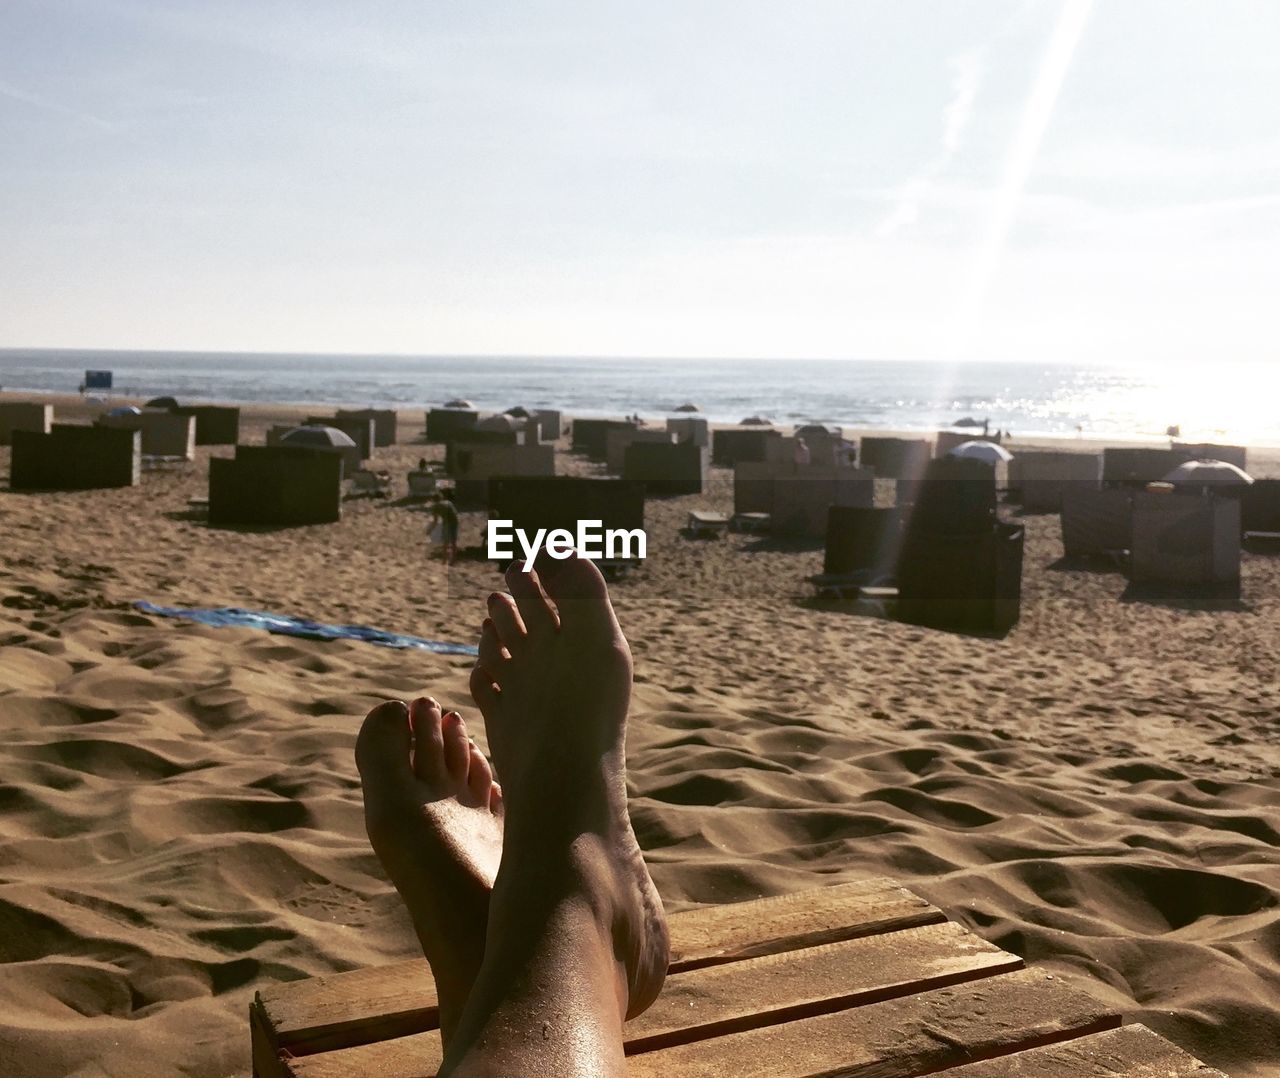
point(125, 409)
point(812, 430)
point(686, 407)
point(985, 451)
point(968, 421)
point(162, 402)
point(754, 421)
point(458, 402)
point(1208, 473)
point(318, 437)
point(518, 412)
point(497, 422)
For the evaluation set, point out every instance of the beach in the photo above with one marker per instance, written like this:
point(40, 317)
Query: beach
point(1098, 791)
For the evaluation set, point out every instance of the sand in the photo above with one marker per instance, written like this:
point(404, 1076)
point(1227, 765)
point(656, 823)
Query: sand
point(180, 818)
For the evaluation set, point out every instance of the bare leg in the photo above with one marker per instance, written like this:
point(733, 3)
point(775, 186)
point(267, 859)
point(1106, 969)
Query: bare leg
point(434, 817)
point(577, 938)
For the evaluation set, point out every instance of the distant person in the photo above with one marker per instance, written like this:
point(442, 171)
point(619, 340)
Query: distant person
point(802, 454)
point(444, 515)
point(422, 464)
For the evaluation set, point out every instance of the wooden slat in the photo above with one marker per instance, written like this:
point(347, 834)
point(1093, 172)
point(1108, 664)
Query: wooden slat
point(918, 1034)
point(1130, 1052)
point(715, 1000)
point(376, 1004)
point(266, 1062)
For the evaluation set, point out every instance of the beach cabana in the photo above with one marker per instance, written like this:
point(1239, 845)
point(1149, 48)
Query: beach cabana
point(734, 446)
point(1096, 520)
point(164, 433)
point(590, 436)
point(1039, 477)
point(445, 424)
point(281, 485)
point(690, 429)
point(385, 422)
point(473, 465)
point(73, 457)
point(215, 424)
point(1185, 539)
point(617, 441)
point(862, 542)
point(21, 415)
point(667, 468)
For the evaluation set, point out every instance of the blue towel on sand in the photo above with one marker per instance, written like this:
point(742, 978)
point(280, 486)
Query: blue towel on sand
point(233, 616)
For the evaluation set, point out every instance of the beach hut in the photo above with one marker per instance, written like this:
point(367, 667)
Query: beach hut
point(667, 467)
point(445, 424)
point(690, 429)
point(164, 433)
point(1260, 506)
point(473, 465)
point(283, 485)
point(1185, 539)
point(734, 446)
point(895, 458)
point(385, 422)
point(1096, 520)
point(616, 442)
point(21, 415)
point(862, 541)
point(1040, 476)
point(561, 501)
point(72, 457)
point(590, 436)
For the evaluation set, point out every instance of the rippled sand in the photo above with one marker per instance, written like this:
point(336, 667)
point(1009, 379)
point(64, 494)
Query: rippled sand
point(180, 818)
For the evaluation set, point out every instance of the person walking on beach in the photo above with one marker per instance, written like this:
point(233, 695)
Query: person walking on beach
point(444, 515)
point(531, 900)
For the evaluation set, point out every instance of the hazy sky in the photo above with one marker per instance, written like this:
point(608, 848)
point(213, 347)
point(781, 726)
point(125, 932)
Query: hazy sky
point(864, 178)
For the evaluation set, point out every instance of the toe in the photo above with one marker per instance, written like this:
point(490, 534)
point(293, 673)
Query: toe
point(383, 747)
point(428, 740)
point(479, 776)
point(457, 747)
point(581, 595)
point(507, 621)
point(484, 692)
point(491, 656)
point(495, 799)
point(531, 600)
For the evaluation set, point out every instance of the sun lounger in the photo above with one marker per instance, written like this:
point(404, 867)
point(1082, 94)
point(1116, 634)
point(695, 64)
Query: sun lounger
point(422, 484)
point(751, 522)
point(863, 978)
point(707, 525)
point(367, 481)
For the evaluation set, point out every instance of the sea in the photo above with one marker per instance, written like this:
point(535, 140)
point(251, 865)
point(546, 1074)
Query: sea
point(1214, 400)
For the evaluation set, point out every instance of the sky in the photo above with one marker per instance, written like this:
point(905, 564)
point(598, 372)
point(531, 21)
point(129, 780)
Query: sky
point(1057, 180)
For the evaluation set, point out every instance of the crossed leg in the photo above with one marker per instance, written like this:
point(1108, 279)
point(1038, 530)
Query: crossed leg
point(575, 939)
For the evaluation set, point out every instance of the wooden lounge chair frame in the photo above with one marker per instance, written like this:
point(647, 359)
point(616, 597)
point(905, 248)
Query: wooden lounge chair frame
point(861, 979)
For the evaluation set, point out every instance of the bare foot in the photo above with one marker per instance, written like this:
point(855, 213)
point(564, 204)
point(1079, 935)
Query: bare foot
point(554, 684)
point(434, 817)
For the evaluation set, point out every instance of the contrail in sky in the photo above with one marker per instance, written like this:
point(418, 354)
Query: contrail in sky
point(1022, 154)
